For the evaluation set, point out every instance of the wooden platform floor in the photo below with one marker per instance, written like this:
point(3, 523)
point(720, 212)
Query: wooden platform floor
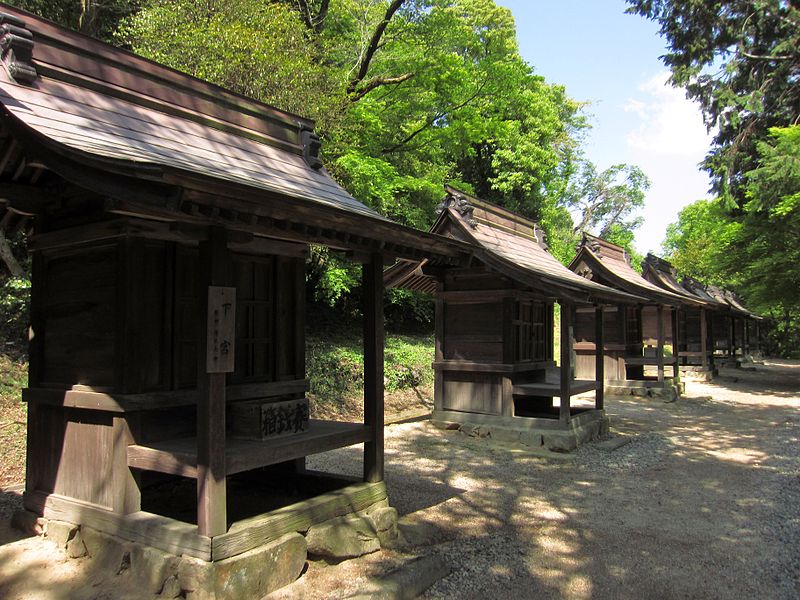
point(179, 456)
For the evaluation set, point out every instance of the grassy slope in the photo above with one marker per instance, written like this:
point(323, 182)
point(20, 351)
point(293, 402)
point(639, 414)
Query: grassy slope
point(13, 419)
point(335, 367)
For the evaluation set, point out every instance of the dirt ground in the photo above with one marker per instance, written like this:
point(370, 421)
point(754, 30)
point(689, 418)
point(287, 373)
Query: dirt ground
point(704, 502)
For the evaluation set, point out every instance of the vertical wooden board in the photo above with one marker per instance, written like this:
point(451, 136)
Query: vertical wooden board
point(220, 329)
point(509, 331)
point(126, 496)
point(599, 358)
point(84, 471)
point(153, 318)
point(565, 366)
point(185, 311)
point(472, 392)
point(36, 333)
point(439, 333)
point(79, 314)
point(300, 308)
point(374, 338)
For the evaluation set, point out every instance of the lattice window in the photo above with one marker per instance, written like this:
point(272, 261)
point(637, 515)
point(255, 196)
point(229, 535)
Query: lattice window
point(254, 319)
point(533, 331)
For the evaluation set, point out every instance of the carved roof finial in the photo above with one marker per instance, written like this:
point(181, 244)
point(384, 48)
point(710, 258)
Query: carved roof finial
point(16, 49)
point(311, 145)
point(461, 204)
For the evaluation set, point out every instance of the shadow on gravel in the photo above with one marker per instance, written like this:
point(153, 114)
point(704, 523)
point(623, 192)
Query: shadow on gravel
point(702, 503)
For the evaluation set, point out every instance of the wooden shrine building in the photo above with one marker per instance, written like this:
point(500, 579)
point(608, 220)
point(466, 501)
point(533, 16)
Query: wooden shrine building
point(636, 334)
point(494, 327)
point(694, 346)
point(736, 329)
point(171, 222)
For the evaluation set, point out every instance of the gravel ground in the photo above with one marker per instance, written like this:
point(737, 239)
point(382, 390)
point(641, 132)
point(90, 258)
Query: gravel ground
point(703, 502)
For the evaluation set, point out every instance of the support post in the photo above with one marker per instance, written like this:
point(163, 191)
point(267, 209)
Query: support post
point(676, 344)
point(732, 336)
point(211, 487)
point(566, 362)
point(660, 342)
point(599, 358)
point(372, 286)
point(438, 375)
point(703, 339)
point(746, 335)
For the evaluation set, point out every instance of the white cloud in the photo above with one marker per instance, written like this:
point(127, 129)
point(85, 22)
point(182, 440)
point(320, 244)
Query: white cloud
point(669, 123)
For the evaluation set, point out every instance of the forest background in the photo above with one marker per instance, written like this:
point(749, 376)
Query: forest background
point(411, 94)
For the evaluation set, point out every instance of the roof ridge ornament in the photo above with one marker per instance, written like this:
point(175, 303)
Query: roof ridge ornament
point(311, 146)
point(16, 49)
point(460, 203)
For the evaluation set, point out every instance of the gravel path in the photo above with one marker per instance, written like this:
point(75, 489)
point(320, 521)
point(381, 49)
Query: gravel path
point(703, 502)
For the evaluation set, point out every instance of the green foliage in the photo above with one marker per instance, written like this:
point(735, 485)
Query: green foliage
point(698, 243)
point(97, 18)
point(604, 200)
point(254, 48)
point(335, 365)
point(739, 59)
point(14, 314)
point(13, 420)
point(405, 310)
point(757, 250)
point(442, 97)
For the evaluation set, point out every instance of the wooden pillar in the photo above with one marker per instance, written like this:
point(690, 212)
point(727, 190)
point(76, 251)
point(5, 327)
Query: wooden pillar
point(372, 286)
point(746, 335)
point(660, 342)
point(599, 358)
point(438, 374)
point(566, 362)
point(211, 488)
point(676, 344)
point(732, 336)
point(703, 339)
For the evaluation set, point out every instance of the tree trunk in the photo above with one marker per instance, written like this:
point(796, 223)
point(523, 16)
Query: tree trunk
point(8, 257)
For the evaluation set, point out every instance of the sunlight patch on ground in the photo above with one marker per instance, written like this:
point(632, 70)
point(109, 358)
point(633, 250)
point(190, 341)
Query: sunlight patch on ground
point(746, 456)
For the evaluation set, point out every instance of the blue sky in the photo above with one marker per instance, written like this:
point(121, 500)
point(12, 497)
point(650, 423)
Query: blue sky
point(610, 59)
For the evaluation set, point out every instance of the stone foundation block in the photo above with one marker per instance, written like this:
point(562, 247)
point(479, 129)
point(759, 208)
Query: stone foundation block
point(531, 439)
point(108, 552)
point(75, 546)
point(60, 532)
point(343, 537)
point(153, 567)
point(560, 442)
point(253, 574)
point(509, 436)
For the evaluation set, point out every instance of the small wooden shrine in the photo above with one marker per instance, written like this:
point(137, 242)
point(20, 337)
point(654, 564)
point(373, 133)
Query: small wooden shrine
point(636, 335)
point(695, 339)
point(494, 326)
point(171, 222)
point(736, 330)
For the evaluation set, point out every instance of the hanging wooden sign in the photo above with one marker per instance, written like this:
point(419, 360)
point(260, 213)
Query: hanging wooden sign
point(221, 329)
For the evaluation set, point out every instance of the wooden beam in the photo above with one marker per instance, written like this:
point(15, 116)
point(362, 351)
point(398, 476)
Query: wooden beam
point(566, 362)
point(211, 486)
point(372, 286)
point(660, 342)
point(599, 358)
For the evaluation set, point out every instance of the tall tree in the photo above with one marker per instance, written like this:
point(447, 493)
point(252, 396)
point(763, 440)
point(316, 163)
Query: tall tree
point(740, 59)
point(97, 18)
